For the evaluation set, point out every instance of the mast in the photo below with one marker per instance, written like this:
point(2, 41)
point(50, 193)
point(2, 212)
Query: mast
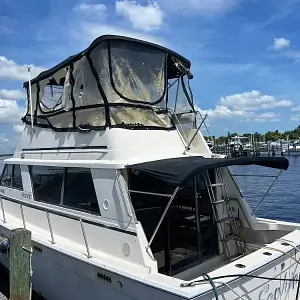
point(30, 97)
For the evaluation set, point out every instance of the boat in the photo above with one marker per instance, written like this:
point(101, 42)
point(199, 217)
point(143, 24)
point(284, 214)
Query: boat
point(122, 195)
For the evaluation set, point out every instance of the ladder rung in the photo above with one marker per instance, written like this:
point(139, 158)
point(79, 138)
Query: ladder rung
point(231, 237)
point(215, 184)
point(227, 219)
point(236, 257)
point(219, 201)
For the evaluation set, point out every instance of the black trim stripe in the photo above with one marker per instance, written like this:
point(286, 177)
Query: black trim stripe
point(65, 148)
point(68, 216)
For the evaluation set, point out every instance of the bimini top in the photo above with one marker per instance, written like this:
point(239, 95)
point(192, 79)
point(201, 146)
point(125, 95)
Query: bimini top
point(180, 170)
point(116, 82)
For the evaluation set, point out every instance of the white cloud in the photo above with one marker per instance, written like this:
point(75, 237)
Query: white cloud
point(253, 100)
point(88, 31)
point(18, 128)
point(10, 112)
point(245, 106)
point(11, 70)
point(12, 94)
point(96, 8)
point(202, 7)
point(142, 17)
point(296, 108)
point(295, 117)
point(280, 43)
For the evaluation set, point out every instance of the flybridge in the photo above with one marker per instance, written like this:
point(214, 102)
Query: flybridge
point(116, 82)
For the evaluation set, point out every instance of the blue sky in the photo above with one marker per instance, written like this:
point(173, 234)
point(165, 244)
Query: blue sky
point(245, 53)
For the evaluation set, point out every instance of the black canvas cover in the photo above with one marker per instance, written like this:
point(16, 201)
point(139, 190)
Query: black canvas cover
point(179, 170)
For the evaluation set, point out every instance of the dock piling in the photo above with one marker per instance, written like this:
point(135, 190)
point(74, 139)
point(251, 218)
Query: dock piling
point(20, 264)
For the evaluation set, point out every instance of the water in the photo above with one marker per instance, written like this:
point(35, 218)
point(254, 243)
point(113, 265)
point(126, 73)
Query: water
point(283, 200)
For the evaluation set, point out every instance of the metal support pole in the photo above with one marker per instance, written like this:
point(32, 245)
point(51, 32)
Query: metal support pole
point(30, 97)
point(260, 202)
point(194, 135)
point(50, 227)
point(162, 217)
point(23, 218)
point(3, 212)
point(85, 240)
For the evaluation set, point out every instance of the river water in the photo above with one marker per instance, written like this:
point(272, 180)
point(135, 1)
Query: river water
point(282, 201)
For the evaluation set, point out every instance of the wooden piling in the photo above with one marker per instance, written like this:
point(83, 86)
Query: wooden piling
point(20, 264)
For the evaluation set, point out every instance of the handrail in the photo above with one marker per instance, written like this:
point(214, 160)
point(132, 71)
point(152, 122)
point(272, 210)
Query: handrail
point(194, 135)
point(85, 239)
point(3, 211)
point(253, 175)
point(149, 193)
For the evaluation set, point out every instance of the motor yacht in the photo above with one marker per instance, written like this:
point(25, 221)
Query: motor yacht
point(123, 197)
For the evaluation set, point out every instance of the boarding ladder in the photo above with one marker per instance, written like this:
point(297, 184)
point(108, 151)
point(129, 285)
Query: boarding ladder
point(226, 224)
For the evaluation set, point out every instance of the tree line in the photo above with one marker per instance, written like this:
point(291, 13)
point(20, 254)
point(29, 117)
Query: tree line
point(261, 137)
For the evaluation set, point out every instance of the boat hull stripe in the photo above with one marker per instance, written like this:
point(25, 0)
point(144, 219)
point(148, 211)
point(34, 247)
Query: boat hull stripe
point(64, 148)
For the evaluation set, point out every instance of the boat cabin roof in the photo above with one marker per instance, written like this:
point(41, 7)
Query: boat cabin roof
point(173, 72)
point(116, 82)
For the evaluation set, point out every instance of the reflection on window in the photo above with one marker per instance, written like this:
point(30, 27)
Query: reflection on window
point(138, 71)
point(79, 191)
point(47, 183)
point(71, 187)
point(11, 177)
point(52, 98)
point(17, 178)
point(6, 175)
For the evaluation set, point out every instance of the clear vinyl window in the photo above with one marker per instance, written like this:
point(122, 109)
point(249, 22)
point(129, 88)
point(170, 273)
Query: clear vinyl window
point(137, 71)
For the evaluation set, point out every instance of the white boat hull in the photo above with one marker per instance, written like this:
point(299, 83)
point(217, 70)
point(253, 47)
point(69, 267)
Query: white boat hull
point(57, 275)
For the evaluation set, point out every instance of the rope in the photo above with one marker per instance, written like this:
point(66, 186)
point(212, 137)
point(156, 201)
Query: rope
point(207, 278)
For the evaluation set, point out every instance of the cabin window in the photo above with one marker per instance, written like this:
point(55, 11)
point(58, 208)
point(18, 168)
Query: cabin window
point(47, 183)
point(69, 187)
point(79, 190)
point(11, 177)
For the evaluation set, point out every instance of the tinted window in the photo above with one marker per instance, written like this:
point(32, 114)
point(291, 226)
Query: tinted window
point(47, 183)
point(11, 177)
point(17, 178)
point(79, 191)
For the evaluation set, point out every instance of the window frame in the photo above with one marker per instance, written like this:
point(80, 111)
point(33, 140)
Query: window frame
point(60, 202)
point(11, 177)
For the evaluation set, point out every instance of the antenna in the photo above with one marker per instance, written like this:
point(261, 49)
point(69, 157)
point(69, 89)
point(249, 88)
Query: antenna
point(30, 97)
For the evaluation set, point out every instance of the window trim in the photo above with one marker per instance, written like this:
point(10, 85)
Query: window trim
point(11, 177)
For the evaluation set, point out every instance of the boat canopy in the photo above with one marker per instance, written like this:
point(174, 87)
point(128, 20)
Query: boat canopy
point(180, 170)
point(116, 82)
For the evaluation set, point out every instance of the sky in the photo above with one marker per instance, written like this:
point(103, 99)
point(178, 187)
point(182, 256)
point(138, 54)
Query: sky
point(245, 54)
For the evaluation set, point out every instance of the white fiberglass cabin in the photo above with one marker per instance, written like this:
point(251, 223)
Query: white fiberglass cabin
point(122, 195)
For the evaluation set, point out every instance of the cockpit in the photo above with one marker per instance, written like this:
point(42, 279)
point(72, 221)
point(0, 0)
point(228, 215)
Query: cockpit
point(116, 82)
